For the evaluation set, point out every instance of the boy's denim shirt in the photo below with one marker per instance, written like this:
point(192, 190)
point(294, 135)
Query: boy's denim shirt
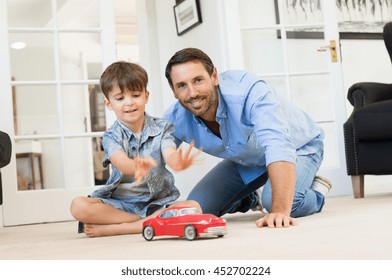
point(156, 136)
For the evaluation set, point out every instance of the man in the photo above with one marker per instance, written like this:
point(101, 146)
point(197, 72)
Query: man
point(262, 138)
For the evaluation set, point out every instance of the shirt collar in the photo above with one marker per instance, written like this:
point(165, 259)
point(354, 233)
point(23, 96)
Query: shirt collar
point(221, 112)
point(150, 129)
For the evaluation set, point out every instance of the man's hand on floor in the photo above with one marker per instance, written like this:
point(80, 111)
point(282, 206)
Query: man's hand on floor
point(276, 220)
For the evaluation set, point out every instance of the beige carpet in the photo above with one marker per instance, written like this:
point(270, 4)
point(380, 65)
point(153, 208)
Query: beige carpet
point(346, 229)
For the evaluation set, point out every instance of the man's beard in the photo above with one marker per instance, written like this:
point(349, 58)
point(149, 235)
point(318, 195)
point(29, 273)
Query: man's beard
point(203, 110)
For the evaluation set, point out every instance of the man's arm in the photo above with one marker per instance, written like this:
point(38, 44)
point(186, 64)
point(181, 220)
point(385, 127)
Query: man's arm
point(282, 177)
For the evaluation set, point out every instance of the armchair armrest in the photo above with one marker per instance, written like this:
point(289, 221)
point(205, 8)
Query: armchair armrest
point(5, 149)
point(362, 94)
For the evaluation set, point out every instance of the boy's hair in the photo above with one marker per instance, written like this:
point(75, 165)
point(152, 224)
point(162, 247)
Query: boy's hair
point(125, 75)
point(187, 55)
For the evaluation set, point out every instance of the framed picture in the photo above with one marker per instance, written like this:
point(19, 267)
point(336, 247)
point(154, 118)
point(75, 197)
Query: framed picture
point(356, 19)
point(187, 14)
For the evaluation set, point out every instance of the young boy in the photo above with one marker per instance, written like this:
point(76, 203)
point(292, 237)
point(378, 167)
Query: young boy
point(138, 147)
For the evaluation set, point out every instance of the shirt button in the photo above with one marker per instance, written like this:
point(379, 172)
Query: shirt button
point(227, 147)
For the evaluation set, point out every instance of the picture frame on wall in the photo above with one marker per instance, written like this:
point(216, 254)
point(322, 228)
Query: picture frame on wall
point(356, 19)
point(187, 14)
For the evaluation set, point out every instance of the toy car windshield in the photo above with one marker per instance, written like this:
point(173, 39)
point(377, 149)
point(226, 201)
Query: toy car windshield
point(188, 211)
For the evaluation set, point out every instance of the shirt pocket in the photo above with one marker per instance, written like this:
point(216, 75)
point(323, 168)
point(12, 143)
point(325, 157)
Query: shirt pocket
point(247, 150)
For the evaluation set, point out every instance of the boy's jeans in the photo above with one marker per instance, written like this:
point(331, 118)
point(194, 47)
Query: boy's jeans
point(222, 190)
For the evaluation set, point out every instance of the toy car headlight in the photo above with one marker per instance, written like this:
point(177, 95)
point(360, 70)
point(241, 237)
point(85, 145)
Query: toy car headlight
point(204, 222)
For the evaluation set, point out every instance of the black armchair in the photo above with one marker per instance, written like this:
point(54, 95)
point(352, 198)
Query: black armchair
point(368, 131)
point(5, 156)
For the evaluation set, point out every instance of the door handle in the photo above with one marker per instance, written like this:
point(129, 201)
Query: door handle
point(332, 48)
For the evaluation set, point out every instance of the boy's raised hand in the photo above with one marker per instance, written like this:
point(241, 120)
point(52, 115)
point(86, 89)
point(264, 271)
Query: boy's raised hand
point(177, 160)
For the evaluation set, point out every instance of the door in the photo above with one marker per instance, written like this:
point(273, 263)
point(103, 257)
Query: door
point(291, 45)
point(51, 83)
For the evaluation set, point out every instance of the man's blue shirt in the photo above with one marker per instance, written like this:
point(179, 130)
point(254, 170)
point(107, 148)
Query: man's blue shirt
point(257, 126)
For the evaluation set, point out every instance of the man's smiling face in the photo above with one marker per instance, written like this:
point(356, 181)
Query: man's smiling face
point(195, 89)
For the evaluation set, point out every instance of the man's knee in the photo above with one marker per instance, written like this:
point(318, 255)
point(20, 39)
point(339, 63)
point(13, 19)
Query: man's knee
point(304, 206)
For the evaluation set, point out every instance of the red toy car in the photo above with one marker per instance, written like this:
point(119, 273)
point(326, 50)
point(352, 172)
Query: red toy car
point(184, 221)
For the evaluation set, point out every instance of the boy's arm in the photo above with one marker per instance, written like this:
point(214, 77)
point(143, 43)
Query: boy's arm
point(138, 167)
point(177, 160)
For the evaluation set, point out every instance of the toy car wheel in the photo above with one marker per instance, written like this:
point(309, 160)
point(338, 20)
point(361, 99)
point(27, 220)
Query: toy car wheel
point(190, 232)
point(148, 233)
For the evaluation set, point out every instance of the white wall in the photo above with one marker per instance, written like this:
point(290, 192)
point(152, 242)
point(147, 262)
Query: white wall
point(206, 36)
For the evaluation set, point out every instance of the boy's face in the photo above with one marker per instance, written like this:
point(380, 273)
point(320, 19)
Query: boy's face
point(195, 89)
point(129, 107)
